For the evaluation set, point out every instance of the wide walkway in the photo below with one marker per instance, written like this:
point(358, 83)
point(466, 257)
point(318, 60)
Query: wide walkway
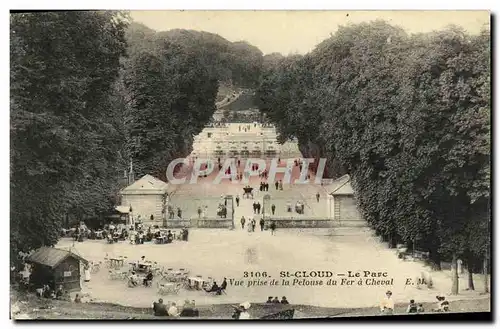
point(220, 253)
point(205, 192)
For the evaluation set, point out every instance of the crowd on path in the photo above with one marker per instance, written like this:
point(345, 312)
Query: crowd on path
point(252, 223)
point(387, 305)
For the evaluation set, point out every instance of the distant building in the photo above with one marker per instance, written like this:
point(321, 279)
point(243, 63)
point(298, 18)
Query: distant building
point(145, 197)
point(343, 204)
point(242, 140)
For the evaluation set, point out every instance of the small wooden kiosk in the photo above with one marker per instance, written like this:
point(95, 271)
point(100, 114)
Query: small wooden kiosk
point(56, 267)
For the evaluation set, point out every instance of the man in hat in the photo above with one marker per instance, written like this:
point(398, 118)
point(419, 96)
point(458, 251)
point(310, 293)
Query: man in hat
point(223, 286)
point(141, 262)
point(159, 308)
point(387, 304)
point(273, 227)
point(189, 309)
point(148, 279)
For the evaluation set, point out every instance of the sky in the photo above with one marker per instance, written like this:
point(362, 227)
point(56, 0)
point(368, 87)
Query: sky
point(290, 32)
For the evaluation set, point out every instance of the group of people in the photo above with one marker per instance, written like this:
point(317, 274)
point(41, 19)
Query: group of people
point(276, 300)
point(246, 128)
point(222, 211)
point(171, 213)
point(202, 212)
point(264, 186)
point(247, 192)
point(279, 185)
point(155, 233)
point(47, 292)
point(299, 207)
point(387, 305)
point(264, 174)
point(59, 293)
point(252, 223)
point(147, 280)
point(171, 309)
point(256, 207)
point(216, 124)
point(167, 238)
point(215, 288)
point(142, 264)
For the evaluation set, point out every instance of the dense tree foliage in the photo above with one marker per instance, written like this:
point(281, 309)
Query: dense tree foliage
point(408, 117)
point(171, 80)
point(65, 139)
point(172, 97)
point(236, 63)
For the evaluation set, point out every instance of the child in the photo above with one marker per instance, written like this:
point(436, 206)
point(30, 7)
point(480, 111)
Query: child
point(442, 305)
point(412, 307)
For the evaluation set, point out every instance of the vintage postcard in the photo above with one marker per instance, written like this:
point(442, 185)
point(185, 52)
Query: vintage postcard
point(249, 165)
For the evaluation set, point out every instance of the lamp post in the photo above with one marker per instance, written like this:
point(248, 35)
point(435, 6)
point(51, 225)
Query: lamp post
point(164, 209)
point(131, 216)
point(230, 200)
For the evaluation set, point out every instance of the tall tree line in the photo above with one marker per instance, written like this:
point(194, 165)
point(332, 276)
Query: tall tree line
point(408, 117)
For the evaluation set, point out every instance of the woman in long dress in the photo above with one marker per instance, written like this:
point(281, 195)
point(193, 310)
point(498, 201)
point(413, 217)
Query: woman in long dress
point(86, 272)
point(249, 226)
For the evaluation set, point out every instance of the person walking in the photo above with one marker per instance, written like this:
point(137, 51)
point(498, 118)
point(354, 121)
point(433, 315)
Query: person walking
point(273, 228)
point(273, 208)
point(261, 222)
point(258, 207)
point(249, 226)
point(277, 185)
point(317, 196)
point(242, 222)
point(254, 205)
point(237, 201)
point(253, 224)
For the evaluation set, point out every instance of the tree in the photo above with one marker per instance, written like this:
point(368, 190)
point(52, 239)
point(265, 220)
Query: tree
point(63, 135)
point(172, 98)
